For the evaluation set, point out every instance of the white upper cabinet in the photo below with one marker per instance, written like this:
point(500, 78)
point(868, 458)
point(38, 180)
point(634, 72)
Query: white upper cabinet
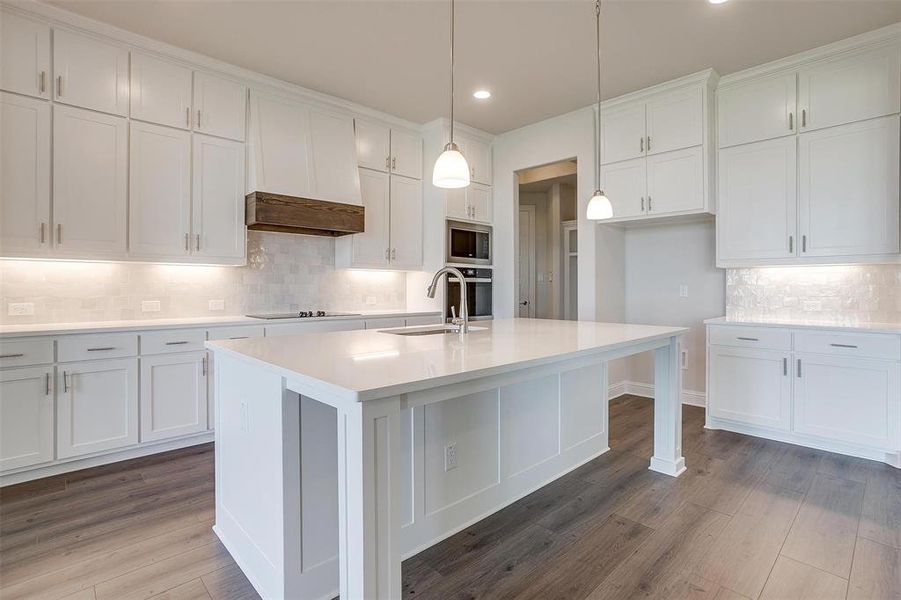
point(334, 157)
point(218, 200)
point(159, 191)
point(220, 106)
point(280, 145)
point(373, 146)
point(372, 247)
point(675, 121)
point(759, 109)
point(853, 88)
point(90, 173)
point(24, 56)
point(849, 189)
point(625, 184)
point(24, 176)
point(479, 198)
point(623, 132)
point(478, 155)
point(675, 182)
point(457, 205)
point(406, 154)
point(160, 91)
point(90, 73)
point(406, 223)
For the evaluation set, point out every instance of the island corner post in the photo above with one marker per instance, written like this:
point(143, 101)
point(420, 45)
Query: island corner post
point(369, 467)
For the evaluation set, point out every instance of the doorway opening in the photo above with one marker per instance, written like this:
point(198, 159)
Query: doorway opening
point(547, 242)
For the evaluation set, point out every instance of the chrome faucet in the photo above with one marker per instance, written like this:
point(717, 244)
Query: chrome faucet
point(463, 321)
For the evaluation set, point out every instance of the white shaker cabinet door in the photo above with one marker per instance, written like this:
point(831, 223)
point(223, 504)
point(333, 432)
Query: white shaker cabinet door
point(675, 182)
point(90, 73)
point(849, 189)
point(160, 91)
point(406, 154)
point(334, 157)
point(159, 191)
point(406, 223)
point(760, 109)
point(217, 207)
point(373, 145)
point(26, 417)
point(97, 406)
point(173, 395)
point(371, 248)
point(457, 204)
point(757, 201)
point(848, 399)
point(279, 145)
point(90, 174)
point(220, 106)
point(479, 198)
point(24, 175)
point(625, 184)
point(675, 121)
point(750, 385)
point(478, 155)
point(857, 87)
point(623, 133)
point(24, 56)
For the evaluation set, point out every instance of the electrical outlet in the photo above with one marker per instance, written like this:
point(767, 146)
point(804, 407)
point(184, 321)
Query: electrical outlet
point(812, 305)
point(20, 309)
point(450, 456)
point(217, 305)
point(684, 359)
point(683, 291)
point(150, 306)
point(370, 300)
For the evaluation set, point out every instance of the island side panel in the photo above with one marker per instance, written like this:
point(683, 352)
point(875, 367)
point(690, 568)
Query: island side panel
point(668, 457)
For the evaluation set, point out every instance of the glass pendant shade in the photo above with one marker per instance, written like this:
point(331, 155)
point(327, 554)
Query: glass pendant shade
point(451, 169)
point(599, 207)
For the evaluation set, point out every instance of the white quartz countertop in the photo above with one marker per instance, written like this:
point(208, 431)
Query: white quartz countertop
point(372, 364)
point(146, 324)
point(798, 324)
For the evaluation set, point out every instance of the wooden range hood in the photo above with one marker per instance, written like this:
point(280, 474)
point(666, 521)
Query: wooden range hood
point(291, 214)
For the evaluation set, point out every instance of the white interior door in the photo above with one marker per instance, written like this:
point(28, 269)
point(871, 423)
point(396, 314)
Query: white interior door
point(24, 175)
point(759, 109)
point(280, 146)
point(220, 106)
point(26, 417)
point(173, 395)
point(406, 223)
point(406, 154)
point(160, 91)
point(675, 121)
point(90, 73)
point(371, 248)
point(675, 182)
point(24, 56)
point(217, 207)
point(625, 184)
point(750, 385)
point(526, 254)
point(849, 189)
point(334, 157)
point(623, 133)
point(373, 145)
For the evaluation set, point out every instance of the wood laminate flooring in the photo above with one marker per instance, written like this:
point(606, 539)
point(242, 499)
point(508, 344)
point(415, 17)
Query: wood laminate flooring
point(749, 519)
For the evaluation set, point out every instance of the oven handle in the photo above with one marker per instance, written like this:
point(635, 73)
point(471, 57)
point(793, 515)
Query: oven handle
point(471, 279)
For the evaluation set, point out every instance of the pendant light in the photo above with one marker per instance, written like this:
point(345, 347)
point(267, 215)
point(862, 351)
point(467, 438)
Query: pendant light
point(451, 169)
point(599, 207)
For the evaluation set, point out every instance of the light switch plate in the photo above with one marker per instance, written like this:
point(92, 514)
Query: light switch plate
point(20, 309)
point(217, 304)
point(683, 291)
point(150, 306)
point(450, 456)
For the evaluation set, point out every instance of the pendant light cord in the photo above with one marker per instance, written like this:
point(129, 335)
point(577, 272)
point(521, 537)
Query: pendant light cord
point(452, 74)
point(597, 15)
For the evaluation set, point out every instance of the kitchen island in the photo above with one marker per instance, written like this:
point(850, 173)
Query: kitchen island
point(339, 454)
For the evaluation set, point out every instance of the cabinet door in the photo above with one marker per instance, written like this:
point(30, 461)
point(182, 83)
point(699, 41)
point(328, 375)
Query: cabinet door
point(478, 155)
point(750, 385)
point(857, 87)
point(160, 91)
point(159, 222)
point(24, 175)
point(90, 171)
point(217, 207)
point(371, 248)
point(757, 200)
point(406, 223)
point(26, 417)
point(845, 399)
point(24, 56)
point(406, 154)
point(625, 184)
point(334, 157)
point(97, 406)
point(456, 204)
point(478, 197)
point(173, 395)
point(675, 182)
point(623, 133)
point(849, 189)
point(373, 145)
point(279, 146)
point(757, 110)
point(220, 106)
point(90, 73)
point(675, 121)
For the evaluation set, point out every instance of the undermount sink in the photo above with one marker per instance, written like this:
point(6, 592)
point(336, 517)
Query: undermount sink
point(430, 330)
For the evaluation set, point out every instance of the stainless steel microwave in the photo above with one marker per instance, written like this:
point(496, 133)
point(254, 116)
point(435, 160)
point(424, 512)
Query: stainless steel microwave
point(468, 243)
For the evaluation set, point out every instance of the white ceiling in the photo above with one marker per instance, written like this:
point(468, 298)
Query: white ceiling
point(537, 57)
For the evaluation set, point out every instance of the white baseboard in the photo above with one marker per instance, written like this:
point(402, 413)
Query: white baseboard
point(646, 390)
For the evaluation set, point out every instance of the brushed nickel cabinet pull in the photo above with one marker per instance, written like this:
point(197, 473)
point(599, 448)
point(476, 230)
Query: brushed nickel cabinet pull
point(387, 162)
point(641, 145)
point(239, 337)
point(205, 370)
point(43, 81)
point(179, 343)
point(803, 243)
point(799, 367)
point(104, 349)
point(649, 204)
point(649, 143)
point(187, 241)
point(59, 233)
point(16, 355)
point(749, 339)
point(387, 253)
point(188, 116)
point(394, 164)
point(59, 86)
point(791, 121)
point(791, 244)
point(198, 242)
point(843, 345)
point(47, 382)
point(394, 254)
point(43, 232)
point(65, 381)
point(198, 119)
point(642, 204)
point(784, 366)
point(803, 117)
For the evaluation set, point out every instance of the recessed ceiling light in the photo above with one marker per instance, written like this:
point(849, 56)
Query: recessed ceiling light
point(717, 1)
point(481, 94)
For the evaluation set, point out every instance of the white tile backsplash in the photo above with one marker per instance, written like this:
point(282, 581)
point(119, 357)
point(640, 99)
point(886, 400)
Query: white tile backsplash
point(283, 273)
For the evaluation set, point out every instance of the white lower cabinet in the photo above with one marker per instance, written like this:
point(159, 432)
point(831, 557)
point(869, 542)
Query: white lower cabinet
point(26, 417)
point(97, 406)
point(750, 386)
point(853, 400)
point(173, 395)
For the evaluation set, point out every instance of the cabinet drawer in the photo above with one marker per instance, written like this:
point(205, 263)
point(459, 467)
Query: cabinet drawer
point(864, 345)
point(91, 347)
point(20, 353)
point(236, 333)
point(172, 340)
point(750, 337)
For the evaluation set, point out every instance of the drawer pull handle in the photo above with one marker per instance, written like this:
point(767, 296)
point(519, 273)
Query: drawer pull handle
point(176, 343)
point(799, 367)
point(239, 337)
point(784, 366)
point(748, 339)
point(17, 355)
point(47, 382)
point(843, 345)
point(104, 349)
point(65, 381)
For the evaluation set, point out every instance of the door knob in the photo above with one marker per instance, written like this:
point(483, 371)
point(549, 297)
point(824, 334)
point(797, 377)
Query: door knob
point(524, 302)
